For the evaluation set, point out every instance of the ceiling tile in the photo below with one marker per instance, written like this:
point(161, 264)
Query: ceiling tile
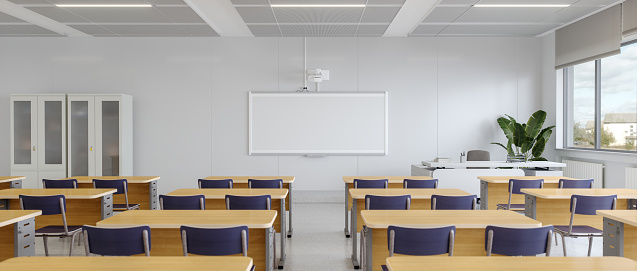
point(30, 2)
point(496, 30)
point(6, 18)
point(385, 2)
point(148, 30)
point(262, 15)
point(58, 14)
point(120, 15)
point(271, 30)
point(445, 14)
point(458, 2)
point(92, 29)
point(534, 2)
point(180, 14)
point(428, 29)
point(569, 14)
point(201, 30)
point(594, 2)
point(371, 30)
point(379, 14)
point(509, 15)
point(318, 30)
point(318, 15)
point(317, 2)
point(34, 29)
point(250, 2)
point(8, 30)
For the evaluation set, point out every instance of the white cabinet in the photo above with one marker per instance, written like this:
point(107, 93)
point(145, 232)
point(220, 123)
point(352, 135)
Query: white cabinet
point(100, 131)
point(38, 137)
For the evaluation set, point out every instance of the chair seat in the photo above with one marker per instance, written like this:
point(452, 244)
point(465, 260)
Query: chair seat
point(122, 206)
point(513, 206)
point(56, 230)
point(384, 267)
point(579, 229)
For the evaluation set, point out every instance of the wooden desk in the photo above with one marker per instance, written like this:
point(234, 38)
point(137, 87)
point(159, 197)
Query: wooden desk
point(221, 263)
point(620, 233)
point(141, 189)
point(83, 206)
point(7, 182)
point(17, 233)
point(552, 206)
point(166, 238)
point(393, 182)
point(469, 237)
point(420, 200)
point(419, 263)
point(495, 189)
point(215, 200)
point(242, 182)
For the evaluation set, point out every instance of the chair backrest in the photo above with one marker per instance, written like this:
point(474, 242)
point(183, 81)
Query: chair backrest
point(402, 202)
point(588, 205)
point(515, 185)
point(410, 183)
point(117, 241)
point(478, 155)
point(361, 183)
point(223, 183)
point(440, 202)
point(214, 241)
point(420, 242)
point(566, 183)
point(262, 202)
point(68, 183)
point(194, 202)
point(121, 185)
point(49, 205)
point(273, 183)
point(518, 241)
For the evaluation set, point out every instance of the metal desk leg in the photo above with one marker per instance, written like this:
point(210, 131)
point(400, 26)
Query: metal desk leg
point(484, 195)
point(282, 258)
point(152, 197)
point(613, 238)
point(367, 261)
point(107, 206)
point(24, 238)
point(354, 236)
point(530, 206)
point(290, 203)
point(269, 249)
point(16, 184)
point(347, 234)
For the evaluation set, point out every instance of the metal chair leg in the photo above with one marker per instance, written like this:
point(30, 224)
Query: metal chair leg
point(590, 245)
point(46, 245)
point(563, 244)
point(555, 234)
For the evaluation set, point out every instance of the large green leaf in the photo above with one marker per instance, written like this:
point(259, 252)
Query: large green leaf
point(510, 148)
point(499, 144)
point(505, 125)
point(538, 159)
point(538, 149)
point(519, 135)
point(534, 125)
point(527, 144)
point(546, 133)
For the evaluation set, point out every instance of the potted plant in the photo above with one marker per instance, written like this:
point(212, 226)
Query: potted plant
point(526, 142)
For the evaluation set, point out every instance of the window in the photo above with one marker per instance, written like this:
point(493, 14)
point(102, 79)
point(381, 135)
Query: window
point(601, 102)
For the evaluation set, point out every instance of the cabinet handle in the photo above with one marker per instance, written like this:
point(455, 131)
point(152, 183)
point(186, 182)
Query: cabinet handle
point(33, 148)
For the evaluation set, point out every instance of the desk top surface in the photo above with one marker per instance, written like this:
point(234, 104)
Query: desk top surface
point(556, 193)
point(221, 193)
point(6, 179)
point(173, 219)
point(416, 263)
point(414, 192)
point(438, 218)
point(155, 263)
point(391, 179)
point(129, 179)
point(80, 193)
point(8, 217)
point(244, 179)
point(505, 179)
point(625, 216)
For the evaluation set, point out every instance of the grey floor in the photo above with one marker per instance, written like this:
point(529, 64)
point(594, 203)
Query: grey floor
point(318, 242)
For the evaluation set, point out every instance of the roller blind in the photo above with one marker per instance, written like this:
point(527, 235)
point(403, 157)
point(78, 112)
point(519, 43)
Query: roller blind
point(593, 37)
point(629, 17)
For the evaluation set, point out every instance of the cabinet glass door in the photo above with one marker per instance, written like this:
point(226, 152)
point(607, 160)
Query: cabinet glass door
point(80, 115)
point(110, 138)
point(52, 132)
point(22, 129)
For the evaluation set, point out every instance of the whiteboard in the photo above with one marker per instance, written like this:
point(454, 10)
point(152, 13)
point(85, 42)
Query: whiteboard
point(318, 123)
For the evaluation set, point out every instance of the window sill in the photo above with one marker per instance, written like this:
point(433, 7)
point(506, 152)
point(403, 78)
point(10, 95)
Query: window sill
point(594, 151)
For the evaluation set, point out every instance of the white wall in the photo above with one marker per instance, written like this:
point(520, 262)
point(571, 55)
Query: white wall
point(190, 96)
point(615, 163)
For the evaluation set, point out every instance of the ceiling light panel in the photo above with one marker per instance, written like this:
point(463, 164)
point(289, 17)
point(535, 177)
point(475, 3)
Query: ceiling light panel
point(379, 14)
point(256, 15)
point(318, 15)
point(445, 14)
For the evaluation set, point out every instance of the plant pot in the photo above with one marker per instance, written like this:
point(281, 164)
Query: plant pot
point(516, 158)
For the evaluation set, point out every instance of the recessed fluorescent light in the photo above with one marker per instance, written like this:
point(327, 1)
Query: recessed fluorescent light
point(520, 6)
point(317, 6)
point(105, 6)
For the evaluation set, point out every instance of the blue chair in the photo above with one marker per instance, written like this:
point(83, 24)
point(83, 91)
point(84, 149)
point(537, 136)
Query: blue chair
point(410, 183)
point(215, 241)
point(116, 241)
point(223, 183)
point(68, 183)
point(518, 241)
point(361, 183)
point(420, 241)
point(585, 205)
point(122, 188)
point(402, 202)
point(273, 183)
point(566, 183)
point(440, 202)
point(514, 188)
point(262, 202)
point(194, 202)
point(51, 205)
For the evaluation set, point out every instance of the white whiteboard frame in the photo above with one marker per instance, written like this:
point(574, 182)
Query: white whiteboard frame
point(315, 153)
